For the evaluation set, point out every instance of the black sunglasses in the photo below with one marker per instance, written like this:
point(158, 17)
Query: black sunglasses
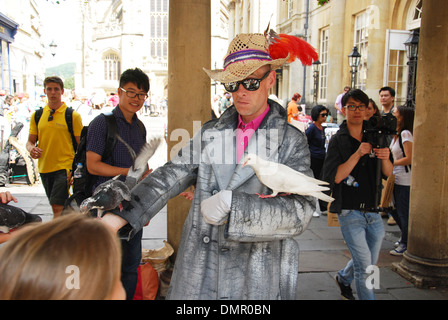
point(248, 84)
point(324, 114)
point(50, 117)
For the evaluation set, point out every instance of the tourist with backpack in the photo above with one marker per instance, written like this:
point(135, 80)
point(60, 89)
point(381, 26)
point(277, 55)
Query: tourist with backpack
point(132, 93)
point(54, 135)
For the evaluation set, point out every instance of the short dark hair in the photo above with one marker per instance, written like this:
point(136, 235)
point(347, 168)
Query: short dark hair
point(137, 77)
point(315, 112)
point(391, 90)
point(54, 79)
point(356, 94)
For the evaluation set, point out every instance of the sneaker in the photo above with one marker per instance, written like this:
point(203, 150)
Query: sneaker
point(396, 244)
point(398, 251)
point(316, 214)
point(346, 291)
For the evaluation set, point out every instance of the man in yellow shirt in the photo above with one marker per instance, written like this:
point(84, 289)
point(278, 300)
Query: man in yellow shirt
point(55, 148)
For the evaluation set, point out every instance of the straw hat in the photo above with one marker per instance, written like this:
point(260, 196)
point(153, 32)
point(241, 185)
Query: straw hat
point(247, 53)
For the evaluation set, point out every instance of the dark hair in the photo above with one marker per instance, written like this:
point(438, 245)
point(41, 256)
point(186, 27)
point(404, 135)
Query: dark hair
point(316, 111)
point(391, 91)
point(356, 94)
point(377, 111)
point(54, 79)
point(407, 113)
point(137, 77)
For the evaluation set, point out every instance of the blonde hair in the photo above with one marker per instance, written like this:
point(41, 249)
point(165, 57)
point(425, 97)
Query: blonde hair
point(36, 263)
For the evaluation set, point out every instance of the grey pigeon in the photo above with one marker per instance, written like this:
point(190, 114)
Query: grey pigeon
point(281, 178)
point(107, 196)
point(110, 194)
point(13, 217)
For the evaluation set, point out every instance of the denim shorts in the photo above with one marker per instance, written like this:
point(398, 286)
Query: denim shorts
point(56, 187)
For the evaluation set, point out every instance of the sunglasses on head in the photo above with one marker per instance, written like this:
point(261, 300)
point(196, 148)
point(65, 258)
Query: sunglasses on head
point(50, 117)
point(248, 84)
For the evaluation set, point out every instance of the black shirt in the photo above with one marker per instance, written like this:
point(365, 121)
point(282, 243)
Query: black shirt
point(340, 149)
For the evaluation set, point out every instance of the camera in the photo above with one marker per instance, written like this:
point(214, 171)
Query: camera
point(377, 128)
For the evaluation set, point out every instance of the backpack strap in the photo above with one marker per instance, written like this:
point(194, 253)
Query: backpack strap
point(69, 121)
point(400, 141)
point(37, 116)
point(111, 139)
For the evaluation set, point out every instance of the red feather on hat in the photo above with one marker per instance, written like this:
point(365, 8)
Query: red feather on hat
point(283, 44)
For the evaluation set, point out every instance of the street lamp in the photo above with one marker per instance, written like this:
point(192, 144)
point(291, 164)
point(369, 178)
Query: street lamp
point(412, 53)
point(316, 67)
point(354, 58)
point(53, 47)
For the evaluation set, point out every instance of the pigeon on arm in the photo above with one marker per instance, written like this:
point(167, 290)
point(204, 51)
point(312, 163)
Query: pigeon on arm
point(110, 194)
point(281, 178)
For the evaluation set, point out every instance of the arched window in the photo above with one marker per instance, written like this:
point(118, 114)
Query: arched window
point(112, 66)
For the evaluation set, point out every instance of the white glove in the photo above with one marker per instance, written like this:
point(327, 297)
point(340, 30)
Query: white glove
point(216, 208)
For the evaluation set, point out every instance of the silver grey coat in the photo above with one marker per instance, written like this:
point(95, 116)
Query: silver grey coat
point(253, 255)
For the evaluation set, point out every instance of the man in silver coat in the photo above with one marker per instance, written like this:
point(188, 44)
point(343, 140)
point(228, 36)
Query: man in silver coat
point(235, 244)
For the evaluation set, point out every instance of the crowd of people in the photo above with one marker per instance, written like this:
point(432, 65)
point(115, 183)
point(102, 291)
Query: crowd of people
point(235, 244)
point(19, 107)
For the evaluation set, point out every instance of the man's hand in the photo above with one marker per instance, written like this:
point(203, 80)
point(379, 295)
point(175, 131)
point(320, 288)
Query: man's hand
point(215, 209)
point(364, 148)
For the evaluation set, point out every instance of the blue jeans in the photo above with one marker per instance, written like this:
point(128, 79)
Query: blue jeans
point(132, 255)
point(401, 215)
point(363, 233)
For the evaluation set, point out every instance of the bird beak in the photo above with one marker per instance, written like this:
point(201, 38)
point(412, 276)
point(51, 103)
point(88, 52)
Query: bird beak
point(244, 163)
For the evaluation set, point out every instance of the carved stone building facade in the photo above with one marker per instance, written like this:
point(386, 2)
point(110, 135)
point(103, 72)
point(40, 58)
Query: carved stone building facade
point(378, 28)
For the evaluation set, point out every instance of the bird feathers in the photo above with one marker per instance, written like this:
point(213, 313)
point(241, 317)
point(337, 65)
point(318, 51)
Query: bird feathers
point(13, 217)
point(281, 178)
point(110, 194)
point(281, 45)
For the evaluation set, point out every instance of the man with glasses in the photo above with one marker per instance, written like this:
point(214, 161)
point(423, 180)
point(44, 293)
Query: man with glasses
point(132, 92)
point(361, 224)
point(51, 142)
point(235, 244)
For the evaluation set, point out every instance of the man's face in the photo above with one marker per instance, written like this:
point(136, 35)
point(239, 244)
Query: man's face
point(251, 104)
point(54, 93)
point(127, 104)
point(386, 98)
point(355, 116)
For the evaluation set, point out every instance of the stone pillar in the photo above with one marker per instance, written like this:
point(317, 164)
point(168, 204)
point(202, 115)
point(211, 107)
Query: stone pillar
point(189, 97)
point(426, 261)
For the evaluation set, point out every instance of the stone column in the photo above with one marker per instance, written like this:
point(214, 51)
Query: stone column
point(189, 99)
point(426, 261)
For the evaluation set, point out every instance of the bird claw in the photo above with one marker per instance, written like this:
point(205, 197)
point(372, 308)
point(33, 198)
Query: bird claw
point(265, 196)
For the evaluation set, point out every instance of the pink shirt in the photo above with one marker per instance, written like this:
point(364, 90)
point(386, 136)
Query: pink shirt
point(244, 132)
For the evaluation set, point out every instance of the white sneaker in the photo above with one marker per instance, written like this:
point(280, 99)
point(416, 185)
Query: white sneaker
point(316, 214)
point(398, 251)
